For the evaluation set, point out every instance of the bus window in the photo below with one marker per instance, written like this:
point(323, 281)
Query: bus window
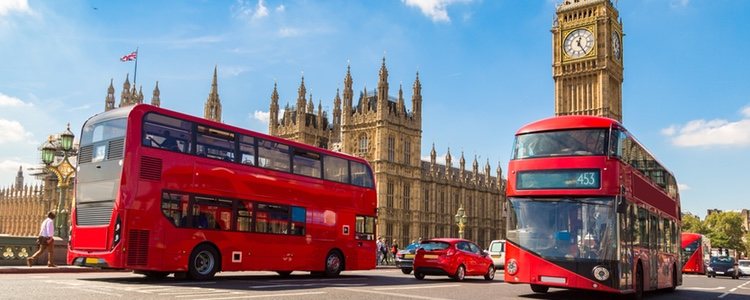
point(272, 219)
point(245, 216)
point(273, 155)
point(336, 169)
point(306, 163)
point(215, 143)
point(247, 150)
point(364, 228)
point(174, 206)
point(167, 133)
point(211, 213)
point(361, 175)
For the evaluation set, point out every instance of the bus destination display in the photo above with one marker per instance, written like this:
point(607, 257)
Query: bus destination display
point(559, 179)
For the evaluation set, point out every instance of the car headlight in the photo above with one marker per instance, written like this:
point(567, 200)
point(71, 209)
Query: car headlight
point(512, 267)
point(730, 270)
point(710, 269)
point(600, 273)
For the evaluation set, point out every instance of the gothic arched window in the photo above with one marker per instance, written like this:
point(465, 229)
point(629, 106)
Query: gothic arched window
point(391, 148)
point(362, 145)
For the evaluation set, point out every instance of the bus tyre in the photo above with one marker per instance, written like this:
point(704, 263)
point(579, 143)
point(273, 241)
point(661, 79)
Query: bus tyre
point(490, 273)
point(418, 275)
point(334, 264)
point(406, 271)
point(460, 273)
point(203, 263)
point(542, 289)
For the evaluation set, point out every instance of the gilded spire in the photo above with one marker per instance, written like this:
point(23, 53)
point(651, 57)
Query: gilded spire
point(212, 110)
point(155, 100)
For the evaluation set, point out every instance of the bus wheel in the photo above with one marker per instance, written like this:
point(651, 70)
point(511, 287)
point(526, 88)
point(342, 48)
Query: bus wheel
point(542, 289)
point(284, 273)
point(334, 264)
point(204, 263)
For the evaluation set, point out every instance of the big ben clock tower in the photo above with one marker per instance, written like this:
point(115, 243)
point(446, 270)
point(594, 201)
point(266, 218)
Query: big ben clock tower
point(587, 59)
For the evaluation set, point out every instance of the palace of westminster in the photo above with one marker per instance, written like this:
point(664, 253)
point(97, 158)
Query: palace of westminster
point(415, 198)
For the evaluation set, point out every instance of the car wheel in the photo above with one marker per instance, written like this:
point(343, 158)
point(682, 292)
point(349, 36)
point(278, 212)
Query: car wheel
point(542, 289)
point(418, 275)
point(334, 264)
point(490, 273)
point(203, 263)
point(460, 273)
point(406, 271)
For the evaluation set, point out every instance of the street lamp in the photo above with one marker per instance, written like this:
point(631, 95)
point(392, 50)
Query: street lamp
point(461, 221)
point(62, 148)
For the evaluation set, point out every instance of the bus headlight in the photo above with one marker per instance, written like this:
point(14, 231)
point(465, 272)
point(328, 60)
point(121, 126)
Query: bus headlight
point(601, 273)
point(512, 267)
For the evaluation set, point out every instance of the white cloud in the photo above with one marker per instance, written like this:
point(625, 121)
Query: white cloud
point(717, 132)
point(12, 131)
point(9, 6)
point(8, 101)
point(78, 108)
point(244, 10)
point(683, 187)
point(289, 32)
point(437, 10)
point(280, 8)
point(262, 116)
point(231, 71)
point(679, 3)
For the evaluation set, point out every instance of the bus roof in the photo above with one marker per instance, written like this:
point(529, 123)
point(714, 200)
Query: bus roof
point(568, 122)
point(150, 108)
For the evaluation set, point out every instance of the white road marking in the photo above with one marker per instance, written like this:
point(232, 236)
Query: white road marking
point(92, 291)
point(390, 294)
point(734, 289)
point(267, 296)
point(215, 293)
point(416, 287)
point(702, 288)
point(305, 285)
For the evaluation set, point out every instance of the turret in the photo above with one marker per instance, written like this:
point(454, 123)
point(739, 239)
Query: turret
point(212, 109)
point(416, 99)
point(109, 101)
point(273, 118)
point(155, 100)
point(382, 99)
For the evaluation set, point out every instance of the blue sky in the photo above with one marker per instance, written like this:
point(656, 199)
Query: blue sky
point(485, 67)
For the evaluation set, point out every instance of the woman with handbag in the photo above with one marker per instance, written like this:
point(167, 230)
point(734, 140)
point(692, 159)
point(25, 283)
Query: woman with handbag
point(46, 241)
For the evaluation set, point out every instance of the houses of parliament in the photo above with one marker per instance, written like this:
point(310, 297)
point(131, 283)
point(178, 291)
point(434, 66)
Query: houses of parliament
point(415, 198)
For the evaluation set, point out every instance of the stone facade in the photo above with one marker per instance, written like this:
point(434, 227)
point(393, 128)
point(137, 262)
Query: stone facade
point(587, 63)
point(23, 207)
point(415, 198)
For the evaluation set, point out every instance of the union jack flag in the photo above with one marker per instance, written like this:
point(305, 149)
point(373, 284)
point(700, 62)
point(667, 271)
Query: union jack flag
point(128, 57)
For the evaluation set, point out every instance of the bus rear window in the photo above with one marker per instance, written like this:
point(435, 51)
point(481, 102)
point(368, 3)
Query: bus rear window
point(102, 131)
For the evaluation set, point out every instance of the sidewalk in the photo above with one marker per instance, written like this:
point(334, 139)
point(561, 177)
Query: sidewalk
point(45, 269)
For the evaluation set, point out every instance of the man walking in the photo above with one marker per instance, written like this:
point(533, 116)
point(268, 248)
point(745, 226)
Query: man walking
point(45, 240)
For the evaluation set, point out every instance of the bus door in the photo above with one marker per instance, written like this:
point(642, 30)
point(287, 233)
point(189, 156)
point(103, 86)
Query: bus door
point(653, 251)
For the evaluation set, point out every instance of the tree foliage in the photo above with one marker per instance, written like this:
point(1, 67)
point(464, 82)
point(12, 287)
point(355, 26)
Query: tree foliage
point(725, 230)
point(691, 223)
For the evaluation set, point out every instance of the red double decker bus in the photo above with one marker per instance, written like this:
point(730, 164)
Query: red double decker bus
point(590, 208)
point(696, 252)
point(161, 192)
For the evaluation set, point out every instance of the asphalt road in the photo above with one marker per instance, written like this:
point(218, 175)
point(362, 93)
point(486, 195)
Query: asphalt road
point(370, 285)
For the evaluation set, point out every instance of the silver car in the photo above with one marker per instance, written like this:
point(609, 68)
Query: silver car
point(405, 258)
point(744, 265)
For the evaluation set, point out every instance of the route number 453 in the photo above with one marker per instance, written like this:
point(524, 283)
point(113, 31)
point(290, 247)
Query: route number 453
point(586, 179)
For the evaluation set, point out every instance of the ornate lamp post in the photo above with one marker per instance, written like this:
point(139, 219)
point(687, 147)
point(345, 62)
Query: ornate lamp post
point(61, 148)
point(461, 221)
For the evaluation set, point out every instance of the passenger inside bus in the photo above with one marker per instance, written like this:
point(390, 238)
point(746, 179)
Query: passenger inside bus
point(169, 142)
point(564, 246)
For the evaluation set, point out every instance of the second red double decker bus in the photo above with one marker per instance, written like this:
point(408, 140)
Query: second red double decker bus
point(162, 192)
point(696, 253)
point(590, 208)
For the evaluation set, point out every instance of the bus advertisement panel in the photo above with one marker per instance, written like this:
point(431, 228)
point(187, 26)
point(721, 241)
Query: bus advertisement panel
point(162, 192)
point(590, 208)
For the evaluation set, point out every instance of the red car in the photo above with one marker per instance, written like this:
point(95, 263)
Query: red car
point(453, 257)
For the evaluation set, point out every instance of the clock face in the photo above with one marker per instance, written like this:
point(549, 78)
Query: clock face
point(616, 46)
point(578, 43)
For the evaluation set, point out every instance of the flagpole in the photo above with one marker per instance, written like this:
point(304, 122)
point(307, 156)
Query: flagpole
point(135, 72)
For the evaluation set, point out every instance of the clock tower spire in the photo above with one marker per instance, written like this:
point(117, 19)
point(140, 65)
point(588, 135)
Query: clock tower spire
point(587, 59)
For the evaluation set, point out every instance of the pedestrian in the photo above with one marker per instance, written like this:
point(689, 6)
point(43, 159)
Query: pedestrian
point(394, 249)
point(378, 250)
point(383, 252)
point(46, 241)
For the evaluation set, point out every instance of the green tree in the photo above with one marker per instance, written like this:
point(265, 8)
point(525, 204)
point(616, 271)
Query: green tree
point(691, 223)
point(725, 230)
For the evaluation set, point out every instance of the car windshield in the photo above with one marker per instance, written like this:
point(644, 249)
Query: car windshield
point(434, 245)
point(566, 228)
point(411, 246)
point(722, 260)
point(745, 263)
point(579, 142)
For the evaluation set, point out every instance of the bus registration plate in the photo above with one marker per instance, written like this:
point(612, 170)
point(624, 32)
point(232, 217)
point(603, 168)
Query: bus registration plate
point(552, 279)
